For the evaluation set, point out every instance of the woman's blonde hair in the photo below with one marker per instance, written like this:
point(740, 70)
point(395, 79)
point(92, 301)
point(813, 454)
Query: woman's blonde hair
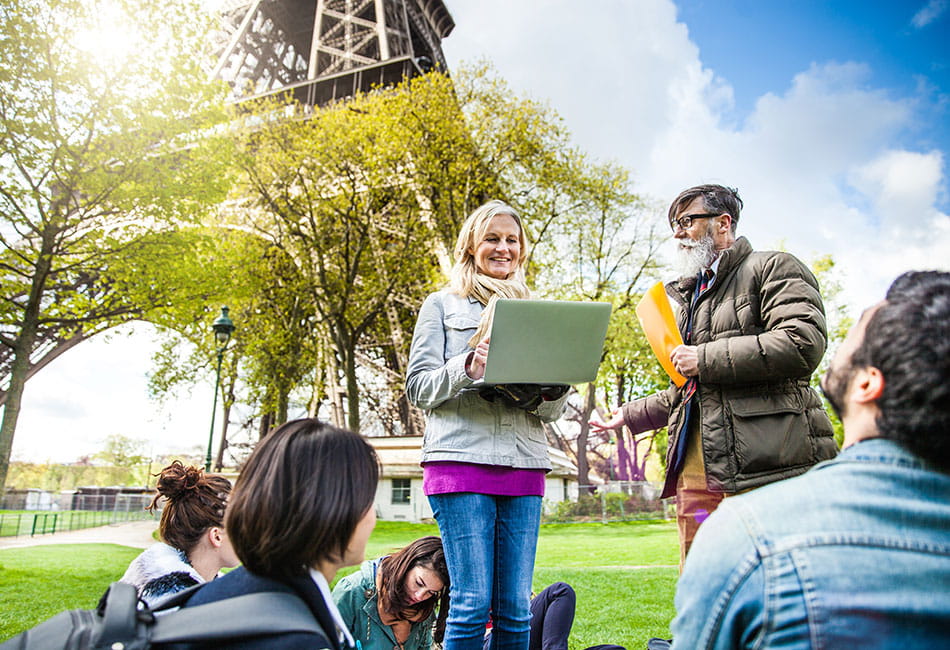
point(465, 279)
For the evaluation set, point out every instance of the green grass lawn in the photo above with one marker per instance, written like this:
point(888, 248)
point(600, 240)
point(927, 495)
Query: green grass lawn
point(39, 581)
point(624, 575)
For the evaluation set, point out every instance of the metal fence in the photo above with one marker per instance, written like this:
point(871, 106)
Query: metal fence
point(43, 523)
point(612, 501)
point(74, 512)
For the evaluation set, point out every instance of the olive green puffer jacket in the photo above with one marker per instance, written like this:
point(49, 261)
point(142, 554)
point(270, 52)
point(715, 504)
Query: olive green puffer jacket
point(760, 333)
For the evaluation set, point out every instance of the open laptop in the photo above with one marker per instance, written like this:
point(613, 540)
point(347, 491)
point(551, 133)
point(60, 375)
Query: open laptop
point(546, 341)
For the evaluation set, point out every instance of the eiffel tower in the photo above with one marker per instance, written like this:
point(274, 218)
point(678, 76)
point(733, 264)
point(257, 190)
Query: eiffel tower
point(321, 51)
point(325, 50)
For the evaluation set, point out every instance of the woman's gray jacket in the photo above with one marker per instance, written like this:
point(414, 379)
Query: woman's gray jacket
point(462, 426)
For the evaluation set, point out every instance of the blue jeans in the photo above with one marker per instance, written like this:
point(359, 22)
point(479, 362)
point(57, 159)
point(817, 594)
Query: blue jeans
point(489, 544)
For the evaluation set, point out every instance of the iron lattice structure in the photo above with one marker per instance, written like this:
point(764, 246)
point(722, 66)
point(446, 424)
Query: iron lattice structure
point(319, 50)
point(324, 50)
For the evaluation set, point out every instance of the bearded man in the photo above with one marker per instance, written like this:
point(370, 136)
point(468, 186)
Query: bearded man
point(753, 326)
point(855, 553)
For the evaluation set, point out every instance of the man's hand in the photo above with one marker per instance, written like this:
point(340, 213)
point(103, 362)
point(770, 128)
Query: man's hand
point(615, 422)
point(685, 359)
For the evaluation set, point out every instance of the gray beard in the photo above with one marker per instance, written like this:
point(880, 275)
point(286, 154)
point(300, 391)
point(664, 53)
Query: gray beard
point(694, 256)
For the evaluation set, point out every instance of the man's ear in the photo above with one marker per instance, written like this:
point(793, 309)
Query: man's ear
point(867, 385)
point(725, 222)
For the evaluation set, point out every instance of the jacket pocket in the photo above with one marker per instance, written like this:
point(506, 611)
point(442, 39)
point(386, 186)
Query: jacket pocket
point(458, 330)
point(770, 432)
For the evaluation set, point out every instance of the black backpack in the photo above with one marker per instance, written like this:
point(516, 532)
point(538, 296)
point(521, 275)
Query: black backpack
point(120, 624)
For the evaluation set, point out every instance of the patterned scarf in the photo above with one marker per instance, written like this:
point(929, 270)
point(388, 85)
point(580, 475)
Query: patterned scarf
point(487, 290)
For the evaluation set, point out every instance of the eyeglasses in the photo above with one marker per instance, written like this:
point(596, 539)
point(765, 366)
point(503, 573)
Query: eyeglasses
point(687, 220)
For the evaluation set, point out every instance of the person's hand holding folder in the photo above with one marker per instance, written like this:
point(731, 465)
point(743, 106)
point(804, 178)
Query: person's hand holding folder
point(685, 359)
point(659, 325)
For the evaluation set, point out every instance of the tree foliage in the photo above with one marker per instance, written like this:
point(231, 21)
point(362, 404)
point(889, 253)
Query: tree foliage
point(600, 245)
point(105, 154)
point(357, 207)
point(839, 322)
point(366, 198)
point(122, 451)
point(333, 197)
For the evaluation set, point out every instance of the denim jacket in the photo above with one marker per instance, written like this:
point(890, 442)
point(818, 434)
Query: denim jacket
point(855, 553)
point(461, 425)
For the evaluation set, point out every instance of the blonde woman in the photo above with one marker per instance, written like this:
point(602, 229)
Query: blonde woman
point(483, 459)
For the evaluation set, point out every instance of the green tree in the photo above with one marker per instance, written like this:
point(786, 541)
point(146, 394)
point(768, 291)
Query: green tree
point(839, 322)
point(333, 194)
point(356, 207)
point(271, 349)
point(601, 245)
point(104, 154)
point(122, 451)
point(630, 370)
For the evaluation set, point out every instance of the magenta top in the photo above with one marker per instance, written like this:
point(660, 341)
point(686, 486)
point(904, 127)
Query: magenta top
point(445, 477)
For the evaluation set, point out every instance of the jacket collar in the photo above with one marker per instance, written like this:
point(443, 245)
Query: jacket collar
point(308, 591)
point(879, 450)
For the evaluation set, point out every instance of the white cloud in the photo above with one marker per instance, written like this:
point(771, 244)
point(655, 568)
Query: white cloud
point(819, 165)
point(929, 13)
point(99, 389)
point(902, 185)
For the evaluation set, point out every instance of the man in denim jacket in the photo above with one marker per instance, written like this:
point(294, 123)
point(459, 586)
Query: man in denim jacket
point(856, 552)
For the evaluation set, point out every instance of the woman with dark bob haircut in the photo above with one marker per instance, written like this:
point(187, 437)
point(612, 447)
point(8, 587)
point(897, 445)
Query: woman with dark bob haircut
point(301, 509)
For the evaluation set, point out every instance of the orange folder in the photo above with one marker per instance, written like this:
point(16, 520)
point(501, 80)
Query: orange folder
point(656, 318)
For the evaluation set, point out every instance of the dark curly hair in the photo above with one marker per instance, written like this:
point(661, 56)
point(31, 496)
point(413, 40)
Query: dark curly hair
point(194, 502)
point(908, 340)
point(427, 553)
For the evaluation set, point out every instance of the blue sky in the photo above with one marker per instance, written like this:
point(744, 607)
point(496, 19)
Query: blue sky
point(759, 46)
point(832, 119)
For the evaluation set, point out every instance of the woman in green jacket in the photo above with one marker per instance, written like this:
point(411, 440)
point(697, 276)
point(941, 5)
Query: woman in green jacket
point(390, 603)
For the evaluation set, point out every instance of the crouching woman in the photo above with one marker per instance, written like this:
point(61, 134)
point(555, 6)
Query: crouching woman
point(391, 601)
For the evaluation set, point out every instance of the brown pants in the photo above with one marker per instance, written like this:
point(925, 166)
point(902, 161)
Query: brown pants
point(694, 503)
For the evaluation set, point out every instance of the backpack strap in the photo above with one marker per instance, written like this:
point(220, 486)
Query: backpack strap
point(119, 620)
point(240, 616)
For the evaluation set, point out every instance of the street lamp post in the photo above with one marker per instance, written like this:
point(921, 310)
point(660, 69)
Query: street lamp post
point(223, 326)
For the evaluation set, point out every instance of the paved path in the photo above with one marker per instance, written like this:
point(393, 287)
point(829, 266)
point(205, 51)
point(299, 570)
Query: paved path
point(137, 534)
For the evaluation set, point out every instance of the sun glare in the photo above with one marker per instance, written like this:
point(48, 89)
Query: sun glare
point(111, 36)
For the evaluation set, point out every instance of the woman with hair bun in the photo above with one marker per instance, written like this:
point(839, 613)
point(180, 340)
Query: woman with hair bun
point(194, 546)
point(301, 509)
